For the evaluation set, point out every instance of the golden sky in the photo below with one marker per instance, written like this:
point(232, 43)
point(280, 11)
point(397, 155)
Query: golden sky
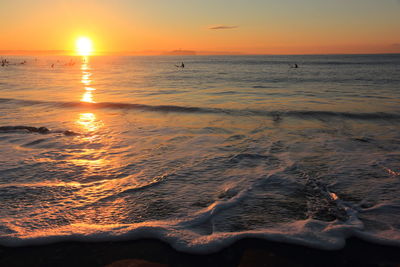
point(242, 26)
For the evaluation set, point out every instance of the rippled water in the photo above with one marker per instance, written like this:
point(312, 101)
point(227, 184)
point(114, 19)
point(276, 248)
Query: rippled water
point(226, 148)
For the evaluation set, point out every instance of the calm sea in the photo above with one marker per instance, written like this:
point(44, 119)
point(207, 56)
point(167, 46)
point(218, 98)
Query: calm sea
point(226, 148)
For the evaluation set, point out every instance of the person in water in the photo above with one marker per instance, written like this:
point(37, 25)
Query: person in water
point(180, 66)
point(4, 62)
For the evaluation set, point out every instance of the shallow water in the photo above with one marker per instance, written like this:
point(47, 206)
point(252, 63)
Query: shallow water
point(226, 148)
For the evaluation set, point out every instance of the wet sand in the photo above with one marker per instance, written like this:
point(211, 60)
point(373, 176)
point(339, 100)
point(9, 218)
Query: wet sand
point(247, 252)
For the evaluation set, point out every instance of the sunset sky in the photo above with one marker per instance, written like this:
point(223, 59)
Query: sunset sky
point(241, 26)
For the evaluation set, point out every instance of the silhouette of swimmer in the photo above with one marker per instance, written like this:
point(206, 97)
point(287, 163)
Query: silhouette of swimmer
point(180, 66)
point(31, 129)
point(4, 62)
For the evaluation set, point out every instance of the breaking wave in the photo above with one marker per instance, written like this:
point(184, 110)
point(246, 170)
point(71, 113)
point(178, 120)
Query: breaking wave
point(275, 114)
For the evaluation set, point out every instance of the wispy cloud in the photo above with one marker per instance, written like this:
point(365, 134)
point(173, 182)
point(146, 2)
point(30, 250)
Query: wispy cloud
point(223, 27)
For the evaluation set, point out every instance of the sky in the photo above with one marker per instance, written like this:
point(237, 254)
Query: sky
point(213, 26)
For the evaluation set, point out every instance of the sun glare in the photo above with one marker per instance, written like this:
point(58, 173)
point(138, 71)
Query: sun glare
point(84, 46)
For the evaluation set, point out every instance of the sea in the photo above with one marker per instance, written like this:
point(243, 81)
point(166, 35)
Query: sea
point(109, 148)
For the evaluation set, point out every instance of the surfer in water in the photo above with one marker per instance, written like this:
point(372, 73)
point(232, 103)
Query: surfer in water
point(180, 66)
point(4, 62)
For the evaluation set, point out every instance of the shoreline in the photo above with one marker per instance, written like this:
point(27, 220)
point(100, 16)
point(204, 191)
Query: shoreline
point(152, 252)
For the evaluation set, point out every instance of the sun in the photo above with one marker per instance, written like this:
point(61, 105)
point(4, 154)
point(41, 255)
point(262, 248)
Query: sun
point(84, 46)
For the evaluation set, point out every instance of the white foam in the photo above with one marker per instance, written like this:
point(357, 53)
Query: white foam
point(311, 233)
point(179, 234)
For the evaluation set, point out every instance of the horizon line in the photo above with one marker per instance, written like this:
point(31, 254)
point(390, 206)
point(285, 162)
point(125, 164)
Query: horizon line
point(170, 53)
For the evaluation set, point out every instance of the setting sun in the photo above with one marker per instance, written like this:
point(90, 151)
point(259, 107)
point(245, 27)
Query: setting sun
point(213, 132)
point(84, 46)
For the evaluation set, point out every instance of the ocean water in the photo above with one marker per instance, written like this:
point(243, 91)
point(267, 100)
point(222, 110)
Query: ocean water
point(226, 148)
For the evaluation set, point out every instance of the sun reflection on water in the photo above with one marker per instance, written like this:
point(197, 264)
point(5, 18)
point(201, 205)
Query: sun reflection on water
point(87, 97)
point(91, 158)
point(86, 80)
point(85, 63)
point(88, 120)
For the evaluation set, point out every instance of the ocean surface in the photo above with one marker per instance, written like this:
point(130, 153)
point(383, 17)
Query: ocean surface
point(228, 147)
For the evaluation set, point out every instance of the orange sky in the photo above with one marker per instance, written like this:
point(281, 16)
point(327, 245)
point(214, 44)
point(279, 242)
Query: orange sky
point(251, 26)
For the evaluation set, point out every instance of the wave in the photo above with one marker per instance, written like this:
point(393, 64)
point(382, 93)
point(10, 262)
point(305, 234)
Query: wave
point(275, 114)
point(181, 232)
point(309, 233)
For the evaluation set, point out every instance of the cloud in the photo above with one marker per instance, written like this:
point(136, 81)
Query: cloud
point(222, 27)
point(396, 45)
